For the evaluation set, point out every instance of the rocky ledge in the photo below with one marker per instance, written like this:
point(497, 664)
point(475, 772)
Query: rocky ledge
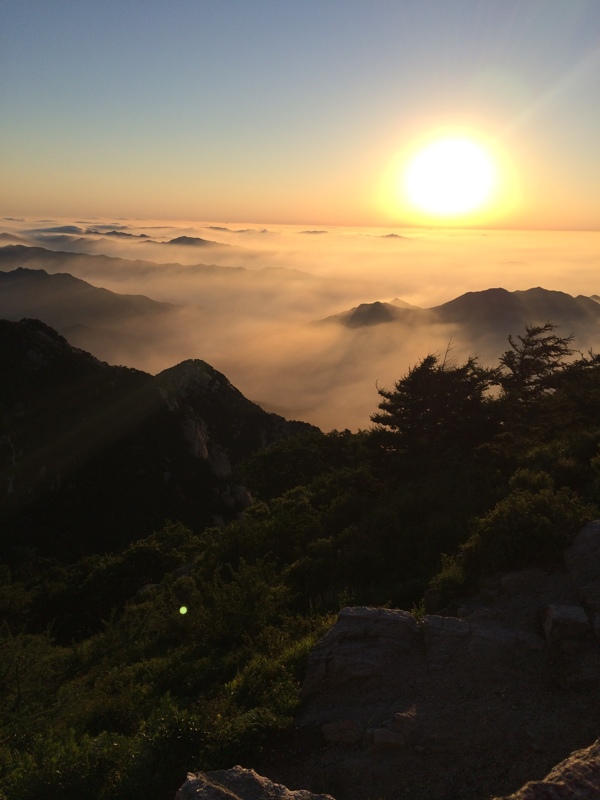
point(467, 705)
point(239, 784)
point(576, 778)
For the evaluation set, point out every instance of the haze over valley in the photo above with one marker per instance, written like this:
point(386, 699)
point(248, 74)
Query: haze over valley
point(305, 321)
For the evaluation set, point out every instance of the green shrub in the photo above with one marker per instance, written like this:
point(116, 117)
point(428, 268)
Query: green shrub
point(527, 528)
point(451, 580)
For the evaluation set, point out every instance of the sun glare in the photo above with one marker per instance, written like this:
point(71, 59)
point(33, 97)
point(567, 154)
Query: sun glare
point(449, 178)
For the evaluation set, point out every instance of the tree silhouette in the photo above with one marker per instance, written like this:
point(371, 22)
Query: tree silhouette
point(529, 367)
point(436, 409)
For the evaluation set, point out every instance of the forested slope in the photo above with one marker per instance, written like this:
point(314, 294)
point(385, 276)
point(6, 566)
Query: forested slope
point(467, 471)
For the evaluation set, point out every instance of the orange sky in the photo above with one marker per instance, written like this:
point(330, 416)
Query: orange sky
point(295, 113)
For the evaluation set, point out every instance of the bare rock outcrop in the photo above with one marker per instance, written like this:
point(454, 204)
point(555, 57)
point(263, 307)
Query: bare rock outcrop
point(362, 646)
point(239, 784)
point(575, 778)
point(470, 706)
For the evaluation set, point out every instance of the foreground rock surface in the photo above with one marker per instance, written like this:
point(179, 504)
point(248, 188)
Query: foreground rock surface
point(576, 778)
point(239, 784)
point(467, 704)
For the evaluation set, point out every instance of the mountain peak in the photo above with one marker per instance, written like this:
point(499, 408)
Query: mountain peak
point(371, 314)
point(192, 241)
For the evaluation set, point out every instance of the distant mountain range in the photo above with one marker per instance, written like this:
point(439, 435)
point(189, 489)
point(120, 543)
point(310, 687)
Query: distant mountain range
point(477, 308)
point(486, 317)
point(13, 256)
point(116, 327)
point(94, 456)
point(270, 290)
point(62, 300)
point(258, 325)
point(88, 266)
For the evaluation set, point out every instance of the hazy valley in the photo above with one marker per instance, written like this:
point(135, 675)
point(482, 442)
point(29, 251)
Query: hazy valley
point(308, 325)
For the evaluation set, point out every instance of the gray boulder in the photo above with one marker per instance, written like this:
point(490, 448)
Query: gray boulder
point(363, 644)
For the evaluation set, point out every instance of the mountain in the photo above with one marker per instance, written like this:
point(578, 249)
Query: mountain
point(485, 319)
point(478, 308)
point(11, 237)
point(401, 303)
point(118, 328)
point(367, 314)
point(194, 241)
point(94, 456)
point(13, 256)
point(119, 234)
point(220, 290)
point(62, 300)
point(112, 268)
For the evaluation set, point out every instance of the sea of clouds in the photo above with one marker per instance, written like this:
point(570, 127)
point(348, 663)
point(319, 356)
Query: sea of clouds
point(250, 299)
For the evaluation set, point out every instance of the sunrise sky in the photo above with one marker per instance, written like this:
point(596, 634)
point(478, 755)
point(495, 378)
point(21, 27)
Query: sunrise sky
point(300, 113)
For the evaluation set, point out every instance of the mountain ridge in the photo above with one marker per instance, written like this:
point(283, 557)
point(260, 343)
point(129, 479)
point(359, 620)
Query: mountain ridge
point(121, 450)
point(483, 318)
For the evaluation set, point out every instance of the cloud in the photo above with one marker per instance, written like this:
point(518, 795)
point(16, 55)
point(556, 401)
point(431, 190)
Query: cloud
point(249, 311)
point(60, 229)
point(61, 240)
point(11, 237)
point(239, 230)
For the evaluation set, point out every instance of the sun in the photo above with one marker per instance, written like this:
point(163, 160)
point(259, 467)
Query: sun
point(450, 177)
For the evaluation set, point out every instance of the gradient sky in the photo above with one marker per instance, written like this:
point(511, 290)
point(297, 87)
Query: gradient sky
point(273, 111)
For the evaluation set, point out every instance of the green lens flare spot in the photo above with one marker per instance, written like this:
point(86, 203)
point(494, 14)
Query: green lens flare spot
point(183, 610)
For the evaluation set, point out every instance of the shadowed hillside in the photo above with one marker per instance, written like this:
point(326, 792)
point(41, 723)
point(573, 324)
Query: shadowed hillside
point(94, 456)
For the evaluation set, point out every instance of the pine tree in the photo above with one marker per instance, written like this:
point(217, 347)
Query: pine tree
point(436, 409)
point(530, 367)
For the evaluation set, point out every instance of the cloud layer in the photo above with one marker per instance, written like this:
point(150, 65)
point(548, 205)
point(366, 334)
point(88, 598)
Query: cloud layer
point(248, 298)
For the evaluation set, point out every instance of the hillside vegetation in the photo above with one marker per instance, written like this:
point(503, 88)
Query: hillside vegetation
point(108, 690)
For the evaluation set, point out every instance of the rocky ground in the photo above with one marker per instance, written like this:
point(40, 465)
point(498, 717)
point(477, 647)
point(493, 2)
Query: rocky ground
point(463, 707)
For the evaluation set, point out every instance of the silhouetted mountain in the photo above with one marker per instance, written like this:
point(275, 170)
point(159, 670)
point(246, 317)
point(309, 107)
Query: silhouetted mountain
point(11, 237)
point(121, 234)
point(94, 456)
point(486, 318)
point(13, 256)
point(489, 316)
point(85, 265)
point(117, 327)
point(61, 300)
point(366, 314)
point(474, 308)
point(194, 241)
point(226, 285)
point(402, 303)
point(377, 313)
